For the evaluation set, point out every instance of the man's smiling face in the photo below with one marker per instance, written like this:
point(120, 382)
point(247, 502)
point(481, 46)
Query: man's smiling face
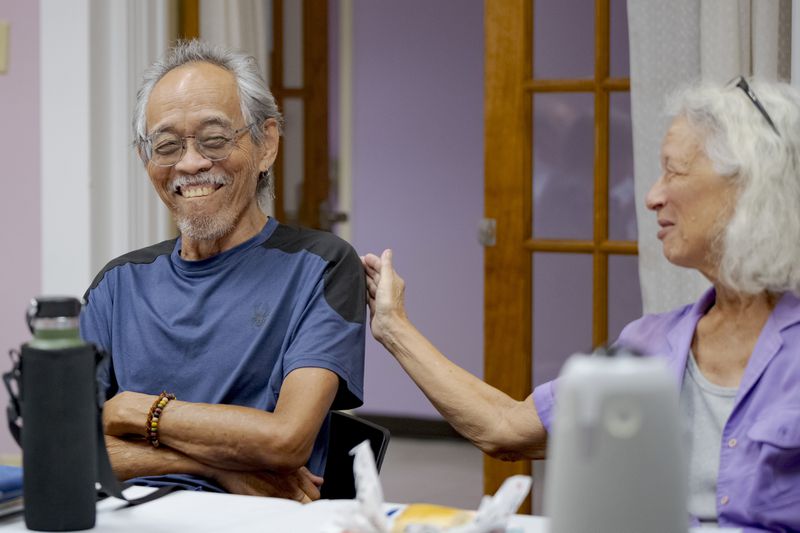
point(207, 198)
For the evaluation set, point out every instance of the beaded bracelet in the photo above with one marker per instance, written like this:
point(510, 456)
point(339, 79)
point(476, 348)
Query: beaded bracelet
point(151, 426)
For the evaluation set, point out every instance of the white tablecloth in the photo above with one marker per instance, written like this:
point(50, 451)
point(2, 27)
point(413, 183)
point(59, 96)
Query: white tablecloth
point(197, 512)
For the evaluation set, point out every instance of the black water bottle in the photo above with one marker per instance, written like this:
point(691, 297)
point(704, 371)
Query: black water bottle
point(59, 417)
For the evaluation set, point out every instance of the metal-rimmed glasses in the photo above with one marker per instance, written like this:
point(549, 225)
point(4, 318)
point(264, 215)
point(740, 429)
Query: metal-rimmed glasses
point(214, 142)
point(741, 83)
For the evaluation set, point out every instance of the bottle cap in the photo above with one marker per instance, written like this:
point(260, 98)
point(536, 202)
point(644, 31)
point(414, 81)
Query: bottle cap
point(53, 307)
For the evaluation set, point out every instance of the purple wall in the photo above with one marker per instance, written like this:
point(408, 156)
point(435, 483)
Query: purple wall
point(418, 176)
point(19, 205)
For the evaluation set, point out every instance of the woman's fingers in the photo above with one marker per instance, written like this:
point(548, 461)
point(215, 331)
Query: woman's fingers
point(372, 262)
point(372, 287)
point(368, 264)
point(386, 259)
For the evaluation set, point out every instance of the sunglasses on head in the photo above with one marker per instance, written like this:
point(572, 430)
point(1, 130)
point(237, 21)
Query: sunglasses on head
point(745, 87)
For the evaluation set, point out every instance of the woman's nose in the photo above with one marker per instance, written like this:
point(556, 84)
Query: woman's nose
point(655, 196)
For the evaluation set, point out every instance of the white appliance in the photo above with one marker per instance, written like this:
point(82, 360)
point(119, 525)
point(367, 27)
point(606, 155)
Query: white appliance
point(616, 461)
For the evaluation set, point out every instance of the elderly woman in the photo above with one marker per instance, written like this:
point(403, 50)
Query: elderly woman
point(728, 205)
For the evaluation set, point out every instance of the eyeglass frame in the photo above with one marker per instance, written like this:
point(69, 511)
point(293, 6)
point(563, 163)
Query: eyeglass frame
point(741, 83)
point(235, 134)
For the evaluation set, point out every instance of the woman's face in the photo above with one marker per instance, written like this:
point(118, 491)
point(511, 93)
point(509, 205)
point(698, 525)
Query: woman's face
point(692, 202)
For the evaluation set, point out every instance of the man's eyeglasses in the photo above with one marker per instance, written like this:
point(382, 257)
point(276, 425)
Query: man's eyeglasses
point(214, 142)
point(745, 87)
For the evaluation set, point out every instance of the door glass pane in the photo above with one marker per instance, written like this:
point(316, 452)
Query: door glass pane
point(563, 163)
point(563, 39)
point(619, 57)
point(621, 197)
point(292, 148)
point(624, 293)
point(562, 311)
point(292, 44)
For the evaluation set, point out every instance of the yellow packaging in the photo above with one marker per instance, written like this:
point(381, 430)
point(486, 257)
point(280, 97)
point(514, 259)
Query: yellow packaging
point(430, 515)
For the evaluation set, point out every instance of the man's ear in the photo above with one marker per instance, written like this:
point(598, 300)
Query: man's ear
point(270, 144)
point(142, 156)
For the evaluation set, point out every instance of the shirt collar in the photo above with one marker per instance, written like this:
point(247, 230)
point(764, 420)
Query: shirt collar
point(785, 314)
point(681, 334)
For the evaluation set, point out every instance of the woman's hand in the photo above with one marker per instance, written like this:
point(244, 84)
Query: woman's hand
point(300, 485)
point(385, 294)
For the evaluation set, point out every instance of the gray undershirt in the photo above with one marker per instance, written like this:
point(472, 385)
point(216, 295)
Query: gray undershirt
point(706, 408)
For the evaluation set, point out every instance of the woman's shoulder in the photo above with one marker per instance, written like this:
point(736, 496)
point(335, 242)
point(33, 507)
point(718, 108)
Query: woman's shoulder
point(649, 331)
point(660, 320)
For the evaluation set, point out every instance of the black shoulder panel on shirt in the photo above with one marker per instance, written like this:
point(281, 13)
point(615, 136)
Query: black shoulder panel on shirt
point(345, 283)
point(140, 256)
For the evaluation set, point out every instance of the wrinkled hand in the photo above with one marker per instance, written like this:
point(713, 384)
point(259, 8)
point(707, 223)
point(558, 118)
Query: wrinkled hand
point(125, 413)
point(300, 485)
point(385, 293)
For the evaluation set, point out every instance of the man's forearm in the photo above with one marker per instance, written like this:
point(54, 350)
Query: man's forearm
point(220, 436)
point(135, 458)
point(232, 437)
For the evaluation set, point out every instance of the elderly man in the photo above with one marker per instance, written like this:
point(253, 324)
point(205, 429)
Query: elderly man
point(231, 343)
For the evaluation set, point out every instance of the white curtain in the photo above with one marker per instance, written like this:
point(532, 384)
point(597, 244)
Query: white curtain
point(96, 200)
point(239, 24)
point(672, 44)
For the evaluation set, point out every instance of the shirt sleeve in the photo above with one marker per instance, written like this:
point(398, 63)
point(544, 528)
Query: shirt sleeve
point(95, 328)
point(331, 329)
point(632, 337)
point(544, 401)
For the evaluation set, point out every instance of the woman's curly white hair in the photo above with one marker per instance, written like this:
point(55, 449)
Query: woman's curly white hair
point(760, 246)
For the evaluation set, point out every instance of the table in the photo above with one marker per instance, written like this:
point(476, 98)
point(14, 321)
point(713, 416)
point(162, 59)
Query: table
point(199, 512)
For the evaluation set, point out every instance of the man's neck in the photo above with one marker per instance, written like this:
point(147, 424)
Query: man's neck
point(251, 223)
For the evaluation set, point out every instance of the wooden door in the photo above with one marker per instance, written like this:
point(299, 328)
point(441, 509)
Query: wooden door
point(305, 94)
point(510, 90)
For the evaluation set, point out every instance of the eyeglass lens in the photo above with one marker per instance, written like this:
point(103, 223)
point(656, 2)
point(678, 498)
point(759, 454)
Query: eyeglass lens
point(213, 142)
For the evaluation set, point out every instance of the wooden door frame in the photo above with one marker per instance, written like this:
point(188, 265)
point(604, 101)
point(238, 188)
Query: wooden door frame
point(314, 95)
point(507, 192)
point(508, 143)
point(188, 19)
point(316, 155)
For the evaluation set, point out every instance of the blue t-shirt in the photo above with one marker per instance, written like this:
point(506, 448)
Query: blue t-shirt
point(230, 328)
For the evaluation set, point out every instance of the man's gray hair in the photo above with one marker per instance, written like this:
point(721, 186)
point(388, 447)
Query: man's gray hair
point(257, 101)
point(760, 246)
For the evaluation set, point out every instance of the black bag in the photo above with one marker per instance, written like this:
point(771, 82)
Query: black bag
point(64, 435)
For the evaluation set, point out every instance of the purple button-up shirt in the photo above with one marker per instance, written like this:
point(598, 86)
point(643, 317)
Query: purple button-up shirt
point(758, 486)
